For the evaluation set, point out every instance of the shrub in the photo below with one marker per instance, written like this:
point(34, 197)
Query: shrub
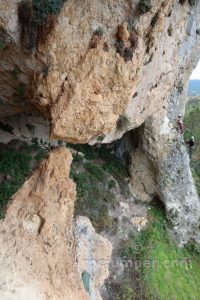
point(2, 44)
point(111, 184)
point(126, 292)
point(123, 122)
point(100, 138)
point(99, 31)
point(180, 87)
point(145, 6)
point(21, 88)
point(93, 196)
point(95, 170)
point(44, 8)
point(192, 2)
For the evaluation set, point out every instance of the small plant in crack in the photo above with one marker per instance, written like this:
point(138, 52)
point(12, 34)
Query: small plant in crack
point(192, 2)
point(123, 122)
point(145, 6)
point(21, 89)
point(99, 31)
point(180, 87)
point(2, 44)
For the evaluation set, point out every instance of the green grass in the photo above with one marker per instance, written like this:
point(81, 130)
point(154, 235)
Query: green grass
point(167, 271)
point(93, 195)
point(95, 188)
point(125, 292)
point(112, 164)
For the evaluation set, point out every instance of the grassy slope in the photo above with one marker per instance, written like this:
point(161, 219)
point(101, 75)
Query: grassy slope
point(175, 273)
point(167, 272)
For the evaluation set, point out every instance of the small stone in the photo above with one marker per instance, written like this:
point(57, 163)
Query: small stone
point(123, 33)
point(139, 222)
point(124, 205)
point(43, 102)
point(33, 224)
point(81, 154)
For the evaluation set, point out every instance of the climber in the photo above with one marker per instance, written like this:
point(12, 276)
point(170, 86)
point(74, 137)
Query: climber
point(191, 144)
point(180, 123)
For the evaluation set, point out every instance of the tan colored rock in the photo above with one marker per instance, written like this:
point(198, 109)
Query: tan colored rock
point(123, 34)
point(33, 224)
point(139, 222)
point(88, 87)
point(17, 67)
point(38, 246)
point(82, 89)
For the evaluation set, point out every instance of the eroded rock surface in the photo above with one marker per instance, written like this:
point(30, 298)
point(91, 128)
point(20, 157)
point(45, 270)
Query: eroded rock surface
point(93, 255)
point(38, 254)
point(16, 65)
point(105, 62)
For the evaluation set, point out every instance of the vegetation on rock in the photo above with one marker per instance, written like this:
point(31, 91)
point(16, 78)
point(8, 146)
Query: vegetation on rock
point(15, 166)
point(162, 270)
point(192, 121)
point(123, 123)
point(145, 6)
point(95, 196)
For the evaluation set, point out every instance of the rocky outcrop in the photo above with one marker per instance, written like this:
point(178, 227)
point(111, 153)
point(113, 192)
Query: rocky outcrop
point(164, 150)
point(89, 86)
point(165, 172)
point(105, 69)
point(39, 249)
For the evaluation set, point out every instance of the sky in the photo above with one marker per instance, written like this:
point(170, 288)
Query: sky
point(196, 72)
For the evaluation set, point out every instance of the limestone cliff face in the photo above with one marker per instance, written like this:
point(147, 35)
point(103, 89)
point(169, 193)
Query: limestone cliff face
point(39, 247)
point(16, 66)
point(100, 61)
point(106, 68)
point(89, 85)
